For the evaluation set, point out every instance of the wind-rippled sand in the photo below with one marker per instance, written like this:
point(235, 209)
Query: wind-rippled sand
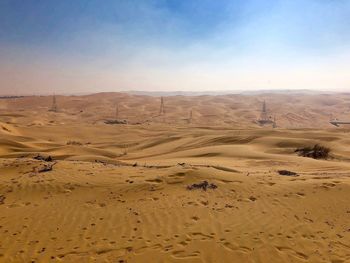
point(117, 193)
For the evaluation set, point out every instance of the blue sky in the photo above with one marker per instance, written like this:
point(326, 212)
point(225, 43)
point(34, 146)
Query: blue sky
point(89, 46)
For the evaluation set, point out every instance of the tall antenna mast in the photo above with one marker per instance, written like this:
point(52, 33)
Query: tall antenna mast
point(190, 118)
point(263, 114)
point(161, 110)
point(264, 118)
point(274, 125)
point(54, 104)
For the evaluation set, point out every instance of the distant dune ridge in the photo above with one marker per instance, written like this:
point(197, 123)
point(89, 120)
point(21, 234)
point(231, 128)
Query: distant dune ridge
point(291, 110)
point(75, 189)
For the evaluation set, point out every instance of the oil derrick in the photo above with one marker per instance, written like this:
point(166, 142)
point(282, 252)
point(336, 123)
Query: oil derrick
point(116, 119)
point(263, 115)
point(190, 117)
point(54, 104)
point(264, 118)
point(274, 125)
point(161, 109)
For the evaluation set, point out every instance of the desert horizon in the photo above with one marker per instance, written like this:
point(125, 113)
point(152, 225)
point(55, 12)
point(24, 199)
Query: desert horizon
point(174, 131)
point(170, 93)
point(291, 109)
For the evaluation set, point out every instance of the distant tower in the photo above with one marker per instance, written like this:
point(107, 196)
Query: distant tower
point(54, 104)
point(263, 115)
point(161, 110)
point(264, 118)
point(190, 117)
point(274, 125)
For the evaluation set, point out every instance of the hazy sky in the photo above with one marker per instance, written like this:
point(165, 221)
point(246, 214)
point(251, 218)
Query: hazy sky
point(72, 46)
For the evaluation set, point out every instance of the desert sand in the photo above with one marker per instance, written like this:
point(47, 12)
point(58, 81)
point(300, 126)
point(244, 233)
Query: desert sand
point(118, 193)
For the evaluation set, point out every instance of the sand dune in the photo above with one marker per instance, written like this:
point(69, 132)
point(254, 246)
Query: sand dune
point(240, 111)
point(118, 193)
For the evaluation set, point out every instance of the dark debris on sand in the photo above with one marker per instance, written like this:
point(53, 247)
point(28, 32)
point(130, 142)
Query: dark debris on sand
point(46, 168)
point(287, 173)
point(111, 122)
point(42, 158)
point(316, 152)
point(203, 185)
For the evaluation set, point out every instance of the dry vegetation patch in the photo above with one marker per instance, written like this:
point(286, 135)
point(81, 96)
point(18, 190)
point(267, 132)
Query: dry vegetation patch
point(287, 173)
point(203, 185)
point(315, 152)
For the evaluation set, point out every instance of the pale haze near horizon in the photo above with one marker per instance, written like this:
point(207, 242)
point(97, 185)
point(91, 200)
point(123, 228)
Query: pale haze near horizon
point(93, 46)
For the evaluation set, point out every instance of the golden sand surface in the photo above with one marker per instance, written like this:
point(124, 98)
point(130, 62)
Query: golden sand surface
point(118, 193)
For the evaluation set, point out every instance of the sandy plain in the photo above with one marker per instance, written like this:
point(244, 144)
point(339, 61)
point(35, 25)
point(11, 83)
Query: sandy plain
point(118, 193)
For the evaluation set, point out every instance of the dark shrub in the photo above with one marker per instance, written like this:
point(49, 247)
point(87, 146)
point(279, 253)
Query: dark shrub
point(287, 173)
point(316, 152)
point(203, 185)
